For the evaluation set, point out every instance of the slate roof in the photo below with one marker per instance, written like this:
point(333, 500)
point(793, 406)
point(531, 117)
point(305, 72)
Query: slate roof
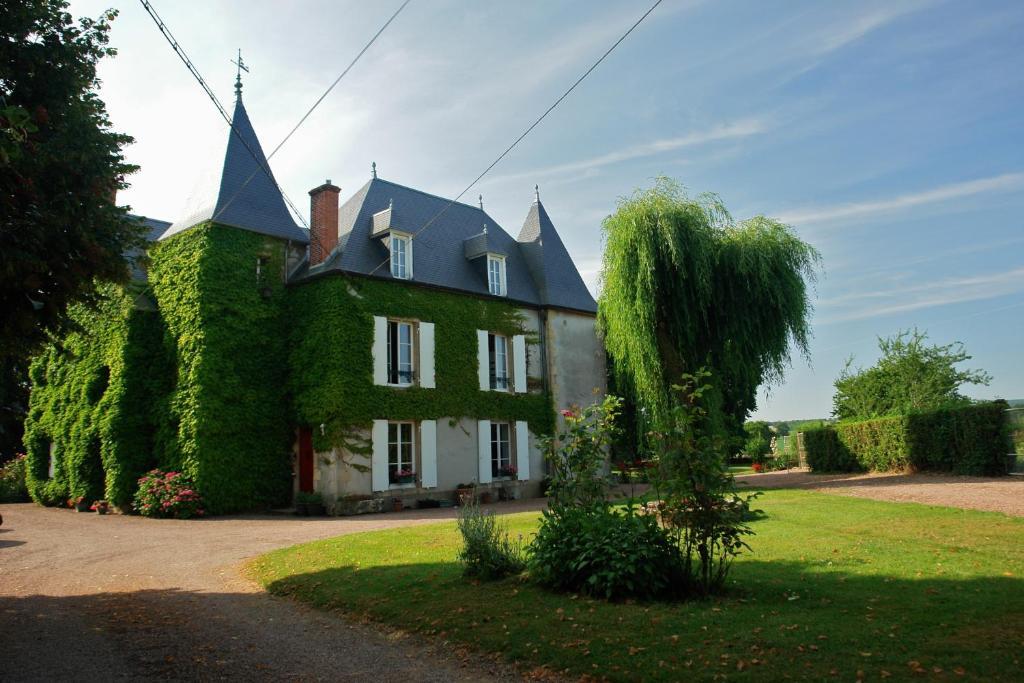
point(256, 205)
point(154, 230)
point(558, 281)
point(440, 252)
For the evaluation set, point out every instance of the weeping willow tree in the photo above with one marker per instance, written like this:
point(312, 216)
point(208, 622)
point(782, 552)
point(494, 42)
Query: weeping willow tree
point(684, 287)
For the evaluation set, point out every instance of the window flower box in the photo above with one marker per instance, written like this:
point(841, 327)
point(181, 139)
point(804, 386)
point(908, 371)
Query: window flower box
point(403, 477)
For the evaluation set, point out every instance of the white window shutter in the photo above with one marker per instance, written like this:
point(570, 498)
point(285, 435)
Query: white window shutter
point(522, 451)
point(428, 454)
point(519, 363)
point(380, 350)
point(484, 436)
point(379, 459)
point(483, 361)
point(427, 355)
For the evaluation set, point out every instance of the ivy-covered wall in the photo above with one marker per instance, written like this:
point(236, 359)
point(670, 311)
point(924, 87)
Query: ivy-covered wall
point(331, 375)
point(221, 292)
point(213, 379)
point(95, 398)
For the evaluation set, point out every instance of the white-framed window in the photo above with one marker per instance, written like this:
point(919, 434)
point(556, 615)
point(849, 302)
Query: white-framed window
point(497, 351)
point(501, 450)
point(496, 275)
point(401, 371)
point(401, 453)
point(401, 256)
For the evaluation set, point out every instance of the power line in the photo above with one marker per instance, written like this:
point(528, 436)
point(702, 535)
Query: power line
point(180, 51)
point(220, 108)
point(319, 100)
point(531, 127)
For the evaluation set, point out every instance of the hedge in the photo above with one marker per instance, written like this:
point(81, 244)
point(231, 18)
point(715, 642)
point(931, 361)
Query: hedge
point(963, 440)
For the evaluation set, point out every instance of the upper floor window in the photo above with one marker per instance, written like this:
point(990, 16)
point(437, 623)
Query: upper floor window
point(497, 348)
point(496, 275)
point(400, 353)
point(401, 256)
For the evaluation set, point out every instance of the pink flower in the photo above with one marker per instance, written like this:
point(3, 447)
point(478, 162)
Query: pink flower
point(568, 413)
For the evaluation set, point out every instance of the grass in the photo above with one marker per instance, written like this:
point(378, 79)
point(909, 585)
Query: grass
point(837, 588)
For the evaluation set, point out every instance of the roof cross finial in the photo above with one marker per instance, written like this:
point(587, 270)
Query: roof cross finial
point(481, 202)
point(238, 74)
point(536, 193)
point(373, 168)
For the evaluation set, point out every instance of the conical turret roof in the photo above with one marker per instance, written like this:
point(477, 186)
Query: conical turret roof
point(246, 196)
point(558, 282)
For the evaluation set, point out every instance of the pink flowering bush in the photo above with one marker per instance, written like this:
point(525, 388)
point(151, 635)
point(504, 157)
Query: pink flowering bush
point(167, 494)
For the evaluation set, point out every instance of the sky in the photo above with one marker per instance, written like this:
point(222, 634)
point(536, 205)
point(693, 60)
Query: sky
point(888, 135)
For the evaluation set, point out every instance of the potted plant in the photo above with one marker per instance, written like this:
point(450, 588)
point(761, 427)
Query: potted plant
point(403, 476)
point(485, 498)
point(303, 500)
point(101, 507)
point(464, 494)
point(315, 505)
point(397, 505)
point(80, 504)
point(507, 471)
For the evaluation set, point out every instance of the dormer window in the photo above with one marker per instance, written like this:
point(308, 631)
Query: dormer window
point(401, 256)
point(496, 275)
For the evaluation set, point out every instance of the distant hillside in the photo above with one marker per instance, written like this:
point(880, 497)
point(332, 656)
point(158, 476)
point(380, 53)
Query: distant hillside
point(1016, 402)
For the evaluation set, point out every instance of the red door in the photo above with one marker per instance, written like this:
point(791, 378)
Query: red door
point(306, 459)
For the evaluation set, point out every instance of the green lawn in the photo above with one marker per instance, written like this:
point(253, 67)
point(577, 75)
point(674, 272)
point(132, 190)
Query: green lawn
point(837, 588)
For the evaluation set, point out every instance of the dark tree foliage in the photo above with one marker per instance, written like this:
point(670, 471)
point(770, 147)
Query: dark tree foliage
point(59, 166)
point(911, 376)
point(684, 287)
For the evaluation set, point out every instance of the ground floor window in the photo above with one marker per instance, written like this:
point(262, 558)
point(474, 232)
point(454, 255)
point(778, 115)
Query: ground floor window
point(401, 449)
point(501, 450)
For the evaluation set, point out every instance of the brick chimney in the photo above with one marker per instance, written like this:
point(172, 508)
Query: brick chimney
point(323, 214)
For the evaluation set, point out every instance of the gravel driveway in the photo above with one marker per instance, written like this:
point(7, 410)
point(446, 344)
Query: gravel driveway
point(90, 597)
point(996, 494)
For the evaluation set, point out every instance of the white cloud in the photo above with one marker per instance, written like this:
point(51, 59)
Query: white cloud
point(901, 299)
point(836, 212)
point(739, 129)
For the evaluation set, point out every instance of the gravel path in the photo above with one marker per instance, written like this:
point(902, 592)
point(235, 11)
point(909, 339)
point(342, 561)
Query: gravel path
point(1002, 494)
point(90, 597)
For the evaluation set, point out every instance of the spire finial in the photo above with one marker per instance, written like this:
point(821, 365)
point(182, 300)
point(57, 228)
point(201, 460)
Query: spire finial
point(481, 197)
point(373, 167)
point(536, 193)
point(238, 74)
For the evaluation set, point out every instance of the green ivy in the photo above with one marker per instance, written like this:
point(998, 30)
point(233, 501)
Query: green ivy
point(201, 382)
point(91, 397)
point(332, 358)
point(228, 423)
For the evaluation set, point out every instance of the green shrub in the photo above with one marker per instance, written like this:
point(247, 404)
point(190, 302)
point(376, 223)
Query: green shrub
point(825, 452)
point(168, 494)
point(878, 445)
point(605, 554)
point(13, 488)
point(487, 551)
point(968, 440)
point(963, 440)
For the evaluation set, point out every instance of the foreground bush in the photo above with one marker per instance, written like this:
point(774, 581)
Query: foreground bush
point(487, 551)
point(12, 481)
point(605, 554)
point(965, 440)
point(167, 494)
point(699, 502)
